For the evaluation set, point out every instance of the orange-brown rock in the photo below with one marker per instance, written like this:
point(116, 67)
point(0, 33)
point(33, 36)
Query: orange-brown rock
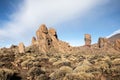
point(64, 47)
point(53, 34)
point(102, 42)
point(87, 40)
point(47, 40)
point(43, 39)
point(34, 41)
point(21, 48)
point(42, 32)
point(117, 44)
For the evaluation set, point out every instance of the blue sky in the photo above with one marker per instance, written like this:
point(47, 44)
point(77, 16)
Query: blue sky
point(19, 19)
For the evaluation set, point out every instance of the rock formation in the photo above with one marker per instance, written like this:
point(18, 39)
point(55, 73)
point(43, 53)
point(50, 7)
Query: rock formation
point(87, 40)
point(102, 42)
point(47, 40)
point(34, 41)
point(53, 34)
point(117, 44)
point(43, 38)
point(21, 48)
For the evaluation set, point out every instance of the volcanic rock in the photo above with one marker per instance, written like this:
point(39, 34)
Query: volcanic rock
point(21, 48)
point(34, 41)
point(43, 38)
point(117, 44)
point(87, 40)
point(102, 42)
point(48, 41)
point(53, 34)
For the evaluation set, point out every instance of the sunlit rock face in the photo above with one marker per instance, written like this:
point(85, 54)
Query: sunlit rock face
point(47, 40)
point(53, 34)
point(21, 48)
point(102, 42)
point(87, 40)
point(117, 44)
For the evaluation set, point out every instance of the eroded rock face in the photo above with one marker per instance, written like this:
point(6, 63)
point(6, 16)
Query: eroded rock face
point(47, 40)
point(53, 34)
point(21, 48)
point(87, 40)
point(102, 42)
point(34, 41)
point(43, 39)
point(42, 32)
point(117, 44)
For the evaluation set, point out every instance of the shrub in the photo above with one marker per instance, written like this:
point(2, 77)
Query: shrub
point(6, 74)
point(35, 71)
point(79, 76)
point(60, 73)
point(59, 63)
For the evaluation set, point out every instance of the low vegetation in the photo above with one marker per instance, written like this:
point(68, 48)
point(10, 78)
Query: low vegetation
point(33, 65)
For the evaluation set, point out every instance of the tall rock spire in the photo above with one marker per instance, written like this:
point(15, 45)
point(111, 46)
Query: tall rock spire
point(87, 40)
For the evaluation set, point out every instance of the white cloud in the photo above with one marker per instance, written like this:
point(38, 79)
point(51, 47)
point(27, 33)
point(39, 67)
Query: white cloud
point(116, 32)
point(32, 13)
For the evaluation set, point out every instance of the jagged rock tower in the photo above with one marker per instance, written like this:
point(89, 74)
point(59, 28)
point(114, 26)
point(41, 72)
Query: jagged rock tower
point(87, 40)
point(47, 40)
point(102, 42)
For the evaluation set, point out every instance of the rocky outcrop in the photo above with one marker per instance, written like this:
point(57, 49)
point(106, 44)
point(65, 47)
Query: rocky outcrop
point(102, 42)
point(87, 40)
point(42, 32)
point(21, 48)
point(53, 34)
point(117, 44)
point(48, 41)
point(34, 41)
point(43, 38)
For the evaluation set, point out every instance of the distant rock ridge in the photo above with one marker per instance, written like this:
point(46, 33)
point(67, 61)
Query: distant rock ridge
point(114, 37)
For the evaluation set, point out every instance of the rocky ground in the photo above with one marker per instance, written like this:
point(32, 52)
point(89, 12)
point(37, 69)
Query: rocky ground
point(82, 65)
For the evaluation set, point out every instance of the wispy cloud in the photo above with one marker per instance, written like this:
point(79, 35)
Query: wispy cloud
point(32, 13)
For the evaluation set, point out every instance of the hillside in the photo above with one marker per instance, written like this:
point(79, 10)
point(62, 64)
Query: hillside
point(114, 37)
point(48, 58)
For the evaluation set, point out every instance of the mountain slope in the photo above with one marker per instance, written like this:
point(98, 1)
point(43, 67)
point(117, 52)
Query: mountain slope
point(114, 37)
